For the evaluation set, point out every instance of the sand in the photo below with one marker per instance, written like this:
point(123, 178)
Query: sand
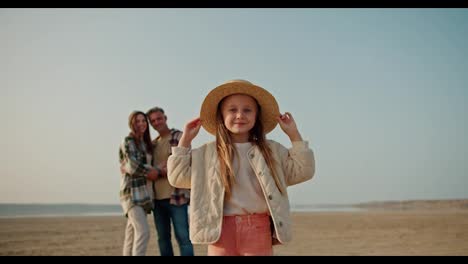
point(403, 231)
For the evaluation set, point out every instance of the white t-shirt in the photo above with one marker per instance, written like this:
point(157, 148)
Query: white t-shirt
point(247, 195)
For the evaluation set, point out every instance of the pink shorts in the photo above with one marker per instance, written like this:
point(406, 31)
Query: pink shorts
point(244, 235)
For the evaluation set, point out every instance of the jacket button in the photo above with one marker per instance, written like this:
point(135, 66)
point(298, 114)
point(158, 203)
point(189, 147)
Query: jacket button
point(260, 172)
point(280, 223)
point(270, 197)
point(252, 156)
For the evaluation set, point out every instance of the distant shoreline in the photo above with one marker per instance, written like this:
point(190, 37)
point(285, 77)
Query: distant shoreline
point(60, 215)
point(57, 210)
point(16, 210)
point(449, 204)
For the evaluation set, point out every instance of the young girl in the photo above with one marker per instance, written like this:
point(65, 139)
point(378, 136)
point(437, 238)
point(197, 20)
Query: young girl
point(136, 195)
point(239, 202)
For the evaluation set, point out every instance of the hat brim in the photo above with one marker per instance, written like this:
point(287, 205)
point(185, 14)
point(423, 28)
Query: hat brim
point(267, 102)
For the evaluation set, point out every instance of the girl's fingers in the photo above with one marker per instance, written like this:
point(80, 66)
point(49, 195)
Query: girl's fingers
point(195, 120)
point(194, 123)
point(289, 115)
point(285, 116)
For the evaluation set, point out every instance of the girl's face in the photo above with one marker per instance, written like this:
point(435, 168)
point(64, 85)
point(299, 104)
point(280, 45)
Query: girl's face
point(239, 113)
point(140, 124)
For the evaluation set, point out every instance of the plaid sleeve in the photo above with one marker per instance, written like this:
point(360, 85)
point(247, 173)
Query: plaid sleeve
point(132, 165)
point(175, 137)
point(179, 196)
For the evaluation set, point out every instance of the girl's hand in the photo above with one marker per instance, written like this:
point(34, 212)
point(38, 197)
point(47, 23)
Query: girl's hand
point(190, 132)
point(288, 125)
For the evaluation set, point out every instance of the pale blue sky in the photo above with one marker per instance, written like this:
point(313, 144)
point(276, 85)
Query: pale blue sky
point(380, 94)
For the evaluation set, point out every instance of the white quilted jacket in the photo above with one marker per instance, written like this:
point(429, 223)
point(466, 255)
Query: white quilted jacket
point(198, 169)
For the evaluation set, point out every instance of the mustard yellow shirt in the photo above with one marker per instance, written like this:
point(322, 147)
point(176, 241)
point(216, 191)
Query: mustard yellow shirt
point(162, 150)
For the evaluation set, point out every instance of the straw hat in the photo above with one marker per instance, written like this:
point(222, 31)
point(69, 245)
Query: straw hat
point(268, 104)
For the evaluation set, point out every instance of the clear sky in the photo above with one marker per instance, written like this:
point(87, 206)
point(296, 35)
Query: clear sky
point(380, 94)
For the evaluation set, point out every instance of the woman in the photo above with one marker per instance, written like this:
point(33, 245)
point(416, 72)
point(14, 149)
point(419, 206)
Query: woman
point(136, 194)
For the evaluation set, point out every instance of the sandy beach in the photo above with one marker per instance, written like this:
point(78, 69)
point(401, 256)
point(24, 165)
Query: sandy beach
point(380, 229)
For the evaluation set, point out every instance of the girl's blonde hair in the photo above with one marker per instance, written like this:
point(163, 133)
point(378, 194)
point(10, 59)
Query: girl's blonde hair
point(226, 150)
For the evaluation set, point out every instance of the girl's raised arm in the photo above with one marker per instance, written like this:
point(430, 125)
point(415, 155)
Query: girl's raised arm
point(191, 130)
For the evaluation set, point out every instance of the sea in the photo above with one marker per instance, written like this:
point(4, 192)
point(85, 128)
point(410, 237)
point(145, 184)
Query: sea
point(12, 210)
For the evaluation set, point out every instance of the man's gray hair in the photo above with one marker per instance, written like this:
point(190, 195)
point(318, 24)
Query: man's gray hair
point(154, 110)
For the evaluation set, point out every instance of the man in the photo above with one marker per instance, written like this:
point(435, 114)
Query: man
point(169, 203)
